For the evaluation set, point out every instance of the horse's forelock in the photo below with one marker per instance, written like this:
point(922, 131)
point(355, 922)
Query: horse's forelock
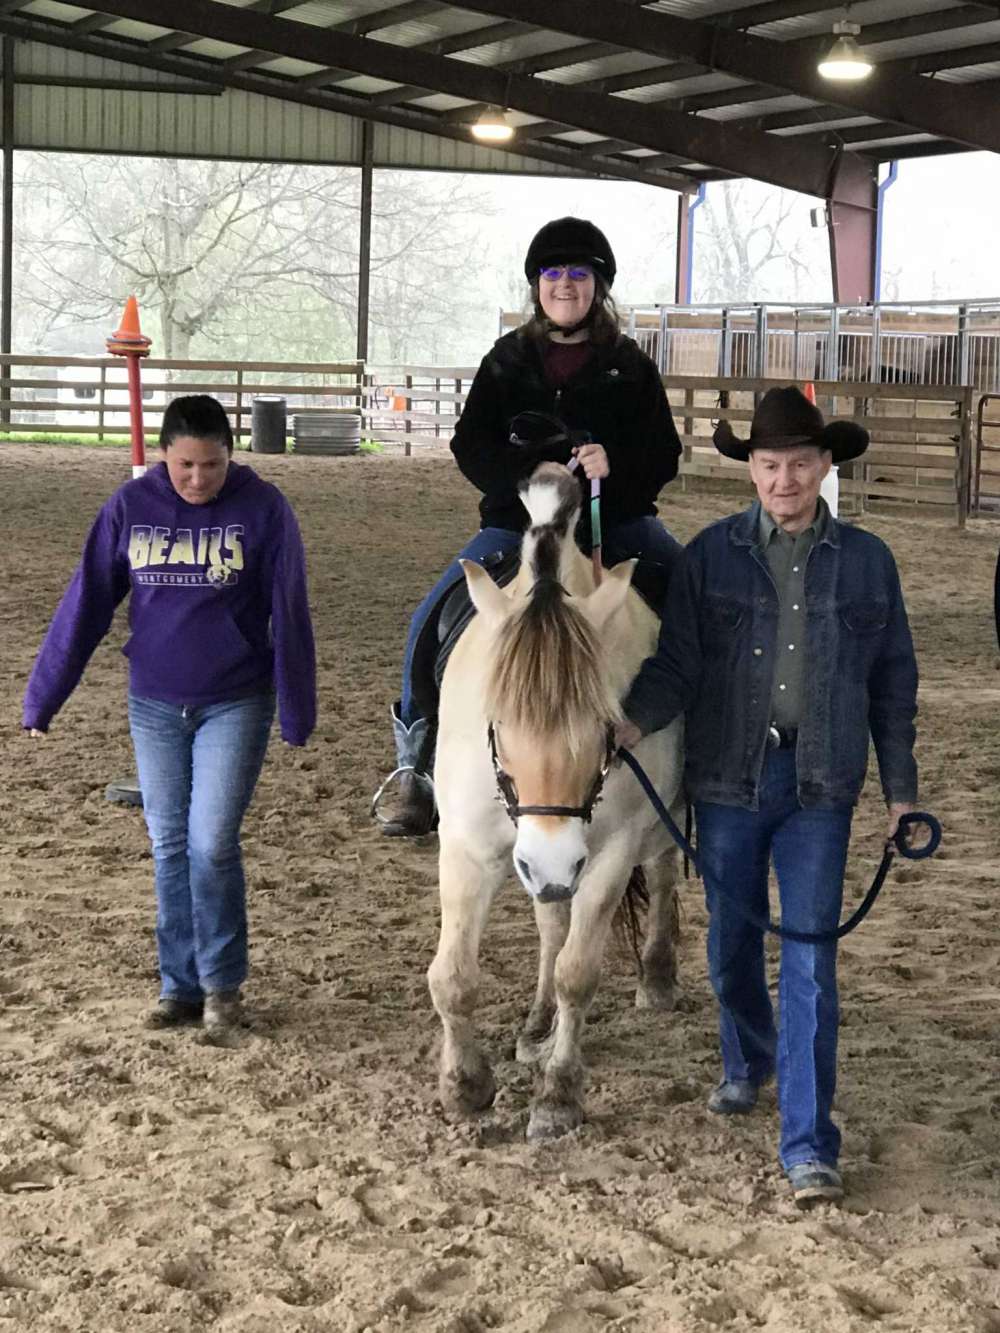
point(548, 674)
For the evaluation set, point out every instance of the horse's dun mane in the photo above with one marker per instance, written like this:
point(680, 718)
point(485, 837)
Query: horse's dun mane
point(547, 676)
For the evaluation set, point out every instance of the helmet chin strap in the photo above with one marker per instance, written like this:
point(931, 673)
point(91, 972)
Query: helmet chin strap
point(584, 323)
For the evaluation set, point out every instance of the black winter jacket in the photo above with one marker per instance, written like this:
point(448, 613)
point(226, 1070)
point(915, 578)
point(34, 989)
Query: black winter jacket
point(617, 397)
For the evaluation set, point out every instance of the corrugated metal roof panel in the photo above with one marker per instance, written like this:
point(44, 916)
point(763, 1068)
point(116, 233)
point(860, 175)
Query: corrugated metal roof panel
point(931, 42)
point(36, 58)
point(703, 83)
point(235, 124)
point(53, 10)
point(625, 62)
point(864, 14)
point(402, 148)
point(816, 126)
point(764, 107)
point(970, 73)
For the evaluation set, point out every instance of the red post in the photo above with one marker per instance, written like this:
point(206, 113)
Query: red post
point(128, 341)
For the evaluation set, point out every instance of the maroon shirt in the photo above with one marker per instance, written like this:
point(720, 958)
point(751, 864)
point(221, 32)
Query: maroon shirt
point(563, 360)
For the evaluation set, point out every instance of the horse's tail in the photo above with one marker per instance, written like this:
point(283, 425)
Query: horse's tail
point(628, 923)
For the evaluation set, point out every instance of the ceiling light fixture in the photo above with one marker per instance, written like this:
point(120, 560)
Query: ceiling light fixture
point(845, 61)
point(492, 126)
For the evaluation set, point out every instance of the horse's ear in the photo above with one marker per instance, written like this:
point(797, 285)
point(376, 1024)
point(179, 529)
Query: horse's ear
point(489, 600)
point(605, 600)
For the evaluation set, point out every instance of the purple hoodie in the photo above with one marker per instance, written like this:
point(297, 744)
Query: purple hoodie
point(218, 609)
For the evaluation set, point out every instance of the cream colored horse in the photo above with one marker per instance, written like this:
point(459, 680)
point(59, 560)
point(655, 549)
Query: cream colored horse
point(547, 661)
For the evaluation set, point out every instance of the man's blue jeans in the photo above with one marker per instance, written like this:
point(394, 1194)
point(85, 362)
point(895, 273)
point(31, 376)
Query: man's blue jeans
point(197, 769)
point(639, 536)
point(809, 850)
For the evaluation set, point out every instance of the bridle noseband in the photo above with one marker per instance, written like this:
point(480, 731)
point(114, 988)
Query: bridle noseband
point(508, 792)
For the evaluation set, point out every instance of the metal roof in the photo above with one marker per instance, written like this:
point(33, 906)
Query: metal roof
point(671, 93)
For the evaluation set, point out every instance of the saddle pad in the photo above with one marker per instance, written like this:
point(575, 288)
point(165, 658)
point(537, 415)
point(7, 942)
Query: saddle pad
point(443, 628)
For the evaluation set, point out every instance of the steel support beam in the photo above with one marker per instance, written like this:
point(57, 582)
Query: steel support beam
point(288, 90)
point(7, 220)
point(792, 166)
point(682, 274)
point(852, 224)
point(957, 112)
point(365, 239)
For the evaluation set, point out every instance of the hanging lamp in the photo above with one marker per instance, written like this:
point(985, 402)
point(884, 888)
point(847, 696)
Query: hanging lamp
point(845, 62)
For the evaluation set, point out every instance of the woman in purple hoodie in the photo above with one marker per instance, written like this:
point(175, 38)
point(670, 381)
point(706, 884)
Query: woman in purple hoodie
point(220, 627)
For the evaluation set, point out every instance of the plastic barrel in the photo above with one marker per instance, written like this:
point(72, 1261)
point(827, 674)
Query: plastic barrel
point(268, 425)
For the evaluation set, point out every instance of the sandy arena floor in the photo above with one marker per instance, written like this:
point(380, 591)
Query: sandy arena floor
point(305, 1181)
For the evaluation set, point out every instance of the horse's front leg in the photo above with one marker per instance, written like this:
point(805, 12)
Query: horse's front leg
point(657, 987)
point(468, 885)
point(535, 1042)
point(558, 1104)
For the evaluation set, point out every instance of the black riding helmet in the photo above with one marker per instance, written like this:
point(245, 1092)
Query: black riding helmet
point(569, 241)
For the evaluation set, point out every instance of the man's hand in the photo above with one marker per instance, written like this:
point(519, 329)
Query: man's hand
point(627, 735)
point(593, 460)
point(896, 809)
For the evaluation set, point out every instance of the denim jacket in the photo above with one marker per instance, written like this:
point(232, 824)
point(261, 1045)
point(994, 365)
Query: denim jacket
point(716, 659)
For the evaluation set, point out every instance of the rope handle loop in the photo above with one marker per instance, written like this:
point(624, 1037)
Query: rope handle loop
point(913, 820)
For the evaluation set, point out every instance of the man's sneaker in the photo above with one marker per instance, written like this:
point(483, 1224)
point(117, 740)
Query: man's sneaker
point(171, 1013)
point(815, 1182)
point(223, 1011)
point(733, 1096)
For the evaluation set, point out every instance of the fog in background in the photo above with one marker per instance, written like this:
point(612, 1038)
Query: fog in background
point(254, 261)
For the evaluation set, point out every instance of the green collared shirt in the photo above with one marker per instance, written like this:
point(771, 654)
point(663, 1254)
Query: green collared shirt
point(786, 557)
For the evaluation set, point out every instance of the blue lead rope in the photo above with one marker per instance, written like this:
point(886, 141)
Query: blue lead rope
point(897, 843)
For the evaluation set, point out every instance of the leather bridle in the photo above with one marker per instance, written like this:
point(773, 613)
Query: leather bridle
point(508, 791)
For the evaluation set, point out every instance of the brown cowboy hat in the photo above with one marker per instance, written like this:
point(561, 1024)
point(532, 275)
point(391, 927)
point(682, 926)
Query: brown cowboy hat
point(786, 418)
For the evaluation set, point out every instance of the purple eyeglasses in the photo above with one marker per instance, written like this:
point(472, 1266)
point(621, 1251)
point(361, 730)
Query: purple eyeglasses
point(575, 272)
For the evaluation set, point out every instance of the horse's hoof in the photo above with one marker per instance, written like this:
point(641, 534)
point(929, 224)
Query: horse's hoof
point(656, 995)
point(551, 1121)
point(467, 1094)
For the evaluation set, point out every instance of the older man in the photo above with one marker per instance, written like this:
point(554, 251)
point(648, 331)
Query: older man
point(786, 645)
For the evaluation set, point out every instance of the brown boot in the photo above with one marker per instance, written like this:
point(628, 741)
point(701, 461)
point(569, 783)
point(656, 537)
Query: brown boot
point(404, 804)
point(408, 811)
point(223, 1011)
point(171, 1013)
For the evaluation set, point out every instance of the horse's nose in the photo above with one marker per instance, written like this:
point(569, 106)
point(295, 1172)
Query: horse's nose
point(545, 889)
point(554, 893)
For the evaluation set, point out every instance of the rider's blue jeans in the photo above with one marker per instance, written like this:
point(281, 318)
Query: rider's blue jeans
point(645, 537)
point(197, 769)
point(809, 851)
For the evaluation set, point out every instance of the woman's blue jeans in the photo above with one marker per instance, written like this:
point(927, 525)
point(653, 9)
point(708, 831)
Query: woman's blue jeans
point(809, 851)
point(639, 536)
point(197, 769)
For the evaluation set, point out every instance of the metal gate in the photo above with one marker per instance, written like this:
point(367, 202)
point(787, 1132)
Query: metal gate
point(986, 481)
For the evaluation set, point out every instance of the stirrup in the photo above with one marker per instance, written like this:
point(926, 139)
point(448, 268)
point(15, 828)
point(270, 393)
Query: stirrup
point(425, 784)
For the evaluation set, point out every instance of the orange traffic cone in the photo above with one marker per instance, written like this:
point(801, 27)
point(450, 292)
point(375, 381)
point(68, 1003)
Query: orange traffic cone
point(128, 337)
point(129, 327)
point(809, 389)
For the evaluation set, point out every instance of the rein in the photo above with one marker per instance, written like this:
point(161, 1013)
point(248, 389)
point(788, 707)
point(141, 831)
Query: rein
point(508, 791)
point(595, 521)
point(897, 843)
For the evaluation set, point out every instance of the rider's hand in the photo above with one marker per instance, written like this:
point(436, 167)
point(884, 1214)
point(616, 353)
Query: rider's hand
point(593, 460)
point(896, 809)
point(627, 735)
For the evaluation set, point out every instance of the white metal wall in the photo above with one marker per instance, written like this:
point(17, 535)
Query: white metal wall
point(234, 125)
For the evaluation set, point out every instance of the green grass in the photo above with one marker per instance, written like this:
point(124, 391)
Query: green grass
point(55, 437)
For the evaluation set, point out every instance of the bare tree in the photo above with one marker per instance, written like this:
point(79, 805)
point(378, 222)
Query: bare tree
point(747, 247)
point(247, 259)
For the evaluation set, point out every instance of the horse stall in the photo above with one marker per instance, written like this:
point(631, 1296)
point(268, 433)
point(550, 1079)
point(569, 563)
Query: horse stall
point(306, 1179)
